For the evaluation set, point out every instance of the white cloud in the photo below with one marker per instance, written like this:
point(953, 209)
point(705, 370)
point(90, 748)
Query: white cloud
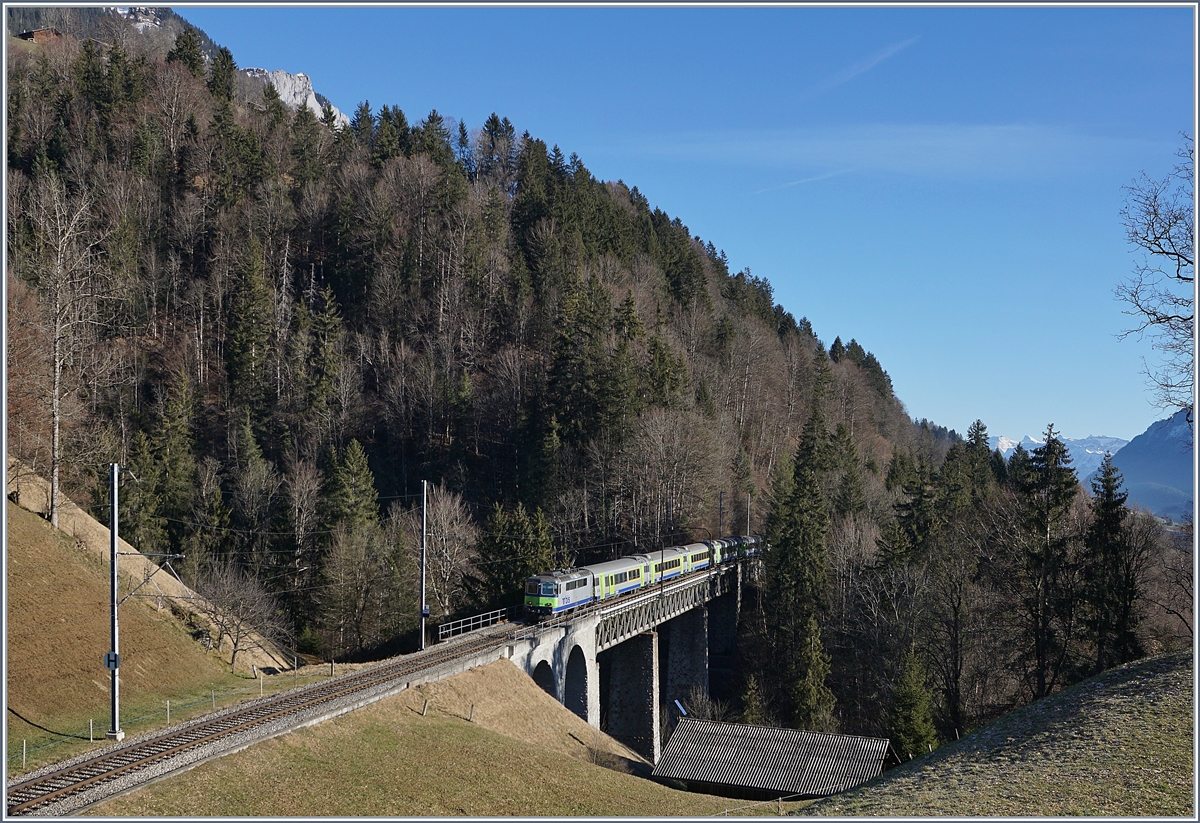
point(861, 67)
point(928, 150)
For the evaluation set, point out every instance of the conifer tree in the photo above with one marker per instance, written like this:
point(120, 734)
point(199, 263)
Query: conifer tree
point(1048, 490)
point(910, 722)
point(754, 707)
point(362, 124)
point(222, 75)
point(812, 699)
point(350, 499)
point(187, 52)
point(1111, 573)
point(249, 334)
point(142, 525)
point(174, 448)
point(511, 548)
point(277, 113)
point(798, 580)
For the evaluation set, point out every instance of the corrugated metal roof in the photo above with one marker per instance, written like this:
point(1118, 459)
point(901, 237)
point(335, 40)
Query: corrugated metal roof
point(775, 760)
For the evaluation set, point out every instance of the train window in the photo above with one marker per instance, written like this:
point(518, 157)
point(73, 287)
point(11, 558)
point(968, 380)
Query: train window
point(548, 589)
point(531, 587)
point(634, 574)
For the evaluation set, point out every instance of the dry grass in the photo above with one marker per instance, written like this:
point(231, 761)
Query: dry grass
point(522, 753)
point(1119, 744)
point(57, 622)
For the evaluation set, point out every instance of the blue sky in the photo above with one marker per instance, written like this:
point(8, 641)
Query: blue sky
point(941, 184)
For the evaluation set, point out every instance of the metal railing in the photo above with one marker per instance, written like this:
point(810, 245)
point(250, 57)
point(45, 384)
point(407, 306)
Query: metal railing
point(470, 624)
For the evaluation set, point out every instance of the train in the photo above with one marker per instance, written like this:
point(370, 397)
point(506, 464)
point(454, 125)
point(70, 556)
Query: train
point(563, 590)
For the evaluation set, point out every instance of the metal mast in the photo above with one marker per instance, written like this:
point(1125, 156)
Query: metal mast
point(112, 660)
point(424, 527)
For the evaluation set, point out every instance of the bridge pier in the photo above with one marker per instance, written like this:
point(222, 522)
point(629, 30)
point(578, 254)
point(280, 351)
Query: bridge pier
point(563, 662)
point(568, 659)
point(634, 693)
point(687, 657)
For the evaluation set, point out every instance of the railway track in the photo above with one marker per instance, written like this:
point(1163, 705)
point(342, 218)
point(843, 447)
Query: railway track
point(155, 755)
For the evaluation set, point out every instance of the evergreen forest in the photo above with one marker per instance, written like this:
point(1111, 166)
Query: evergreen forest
point(282, 328)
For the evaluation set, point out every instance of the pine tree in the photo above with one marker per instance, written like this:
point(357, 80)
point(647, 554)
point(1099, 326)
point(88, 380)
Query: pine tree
point(1048, 490)
point(798, 581)
point(910, 722)
point(174, 449)
point(807, 671)
point(754, 707)
point(1112, 591)
point(142, 524)
point(249, 334)
point(512, 548)
point(277, 113)
point(362, 124)
point(222, 76)
point(187, 52)
point(350, 499)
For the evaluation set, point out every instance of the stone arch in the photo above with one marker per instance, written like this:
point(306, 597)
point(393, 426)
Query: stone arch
point(575, 691)
point(543, 675)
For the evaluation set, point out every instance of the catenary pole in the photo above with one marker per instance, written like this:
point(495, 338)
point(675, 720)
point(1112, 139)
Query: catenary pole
point(424, 532)
point(114, 662)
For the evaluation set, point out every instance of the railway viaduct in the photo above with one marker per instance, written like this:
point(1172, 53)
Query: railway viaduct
point(625, 659)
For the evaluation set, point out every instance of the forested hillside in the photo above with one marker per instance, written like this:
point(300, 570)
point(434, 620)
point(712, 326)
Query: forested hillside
point(281, 328)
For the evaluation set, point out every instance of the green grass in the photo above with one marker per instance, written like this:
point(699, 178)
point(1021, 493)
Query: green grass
point(57, 624)
point(1119, 744)
point(383, 760)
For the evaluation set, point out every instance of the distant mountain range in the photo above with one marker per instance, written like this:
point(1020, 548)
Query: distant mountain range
point(1156, 465)
point(1086, 453)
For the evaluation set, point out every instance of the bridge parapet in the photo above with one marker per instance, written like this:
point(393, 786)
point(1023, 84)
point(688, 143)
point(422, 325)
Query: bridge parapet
point(644, 611)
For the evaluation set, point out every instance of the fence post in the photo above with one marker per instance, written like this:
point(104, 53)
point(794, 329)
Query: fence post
point(168, 712)
point(22, 755)
point(425, 709)
point(471, 719)
point(91, 737)
point(214, 698)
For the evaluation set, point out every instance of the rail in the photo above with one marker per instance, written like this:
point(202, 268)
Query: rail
point(92, 777)
point(470, 624)
point(637, 602)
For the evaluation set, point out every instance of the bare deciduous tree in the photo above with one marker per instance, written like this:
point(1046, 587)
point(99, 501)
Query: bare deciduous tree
point(63, 266)
point(239, 608)
point(450, 548)
point(1159, 219)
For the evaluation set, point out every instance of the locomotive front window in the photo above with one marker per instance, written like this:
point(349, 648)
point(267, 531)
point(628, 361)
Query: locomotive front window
point(531, 587)
point(548, 589)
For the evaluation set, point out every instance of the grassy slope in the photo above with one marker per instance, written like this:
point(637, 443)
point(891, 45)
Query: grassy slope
point(57, 624)
point(1119, 744)
point(522, 754)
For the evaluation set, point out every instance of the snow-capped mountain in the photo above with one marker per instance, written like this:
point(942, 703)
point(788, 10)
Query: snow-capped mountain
point(142, 18)
point(1087, 453)
point(1157, 467)
point(295, 90)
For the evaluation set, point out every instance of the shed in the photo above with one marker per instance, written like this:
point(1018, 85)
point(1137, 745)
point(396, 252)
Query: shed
point(760, 762)
point(41, 35)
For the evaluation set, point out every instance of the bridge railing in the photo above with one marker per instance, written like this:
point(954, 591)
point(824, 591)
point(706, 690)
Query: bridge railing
point(470, 624)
